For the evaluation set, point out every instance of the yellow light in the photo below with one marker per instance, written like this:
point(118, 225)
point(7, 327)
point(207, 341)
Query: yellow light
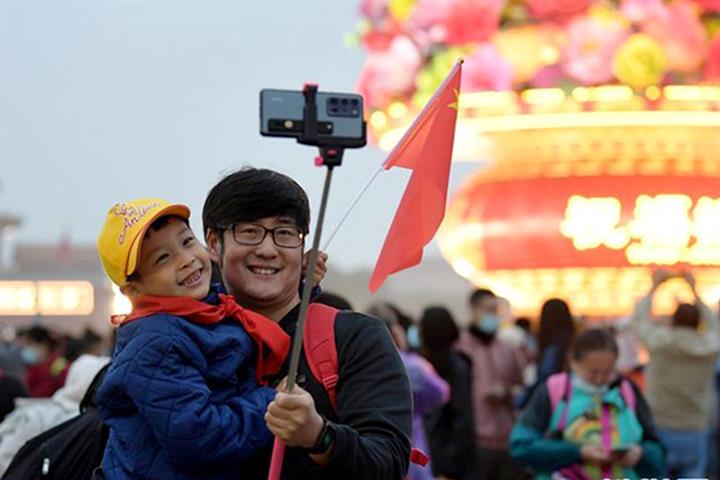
point(549, 55)
point(65, 298)
point(120, 303)
point(652, 92)
point(543, 96)
point(513, 123)
point(46, 298)
point(17, 298)
point(378, 119)
point(612, 93)
point(398, 110)
point(581, 94)
point(692, 93)
point(488, 99)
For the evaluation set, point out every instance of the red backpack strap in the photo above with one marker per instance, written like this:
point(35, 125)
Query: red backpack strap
point(319, 346)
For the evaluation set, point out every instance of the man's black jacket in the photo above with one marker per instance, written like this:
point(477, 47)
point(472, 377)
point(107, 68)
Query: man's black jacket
point(374, 407)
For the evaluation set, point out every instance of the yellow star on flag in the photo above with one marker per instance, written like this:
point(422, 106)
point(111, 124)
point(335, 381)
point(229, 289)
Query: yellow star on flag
point(457, 99)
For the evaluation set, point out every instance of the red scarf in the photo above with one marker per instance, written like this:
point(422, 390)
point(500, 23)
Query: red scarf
point(265, 332)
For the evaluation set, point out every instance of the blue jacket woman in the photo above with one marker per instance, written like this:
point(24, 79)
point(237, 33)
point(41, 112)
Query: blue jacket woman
point(598, 426)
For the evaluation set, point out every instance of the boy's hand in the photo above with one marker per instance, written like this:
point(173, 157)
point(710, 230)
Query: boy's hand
point(320, 266)
point(292, 417)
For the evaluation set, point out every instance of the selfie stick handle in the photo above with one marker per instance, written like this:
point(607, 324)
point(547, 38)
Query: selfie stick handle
point(352, 206)
point(279, 447)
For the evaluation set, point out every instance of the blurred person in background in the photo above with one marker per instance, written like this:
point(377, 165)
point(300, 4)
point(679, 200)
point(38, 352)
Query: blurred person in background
point(556, 333)
point(679, 377)
point(429, 390)
point(46, 366)
point(497, 377)
point(34, 416)
point(590, 423)
point(11, 362)
point(450, 428)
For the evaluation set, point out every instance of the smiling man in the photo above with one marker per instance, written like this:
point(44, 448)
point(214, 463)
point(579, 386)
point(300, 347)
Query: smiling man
point(255, 222)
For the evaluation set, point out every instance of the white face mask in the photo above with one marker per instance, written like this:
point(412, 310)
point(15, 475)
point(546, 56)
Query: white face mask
point(587, 387)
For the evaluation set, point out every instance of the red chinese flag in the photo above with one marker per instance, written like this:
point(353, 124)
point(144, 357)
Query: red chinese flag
point(426, 149)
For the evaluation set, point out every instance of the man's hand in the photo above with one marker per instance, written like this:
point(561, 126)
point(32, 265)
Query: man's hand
point(595, 454)
point(292, 417)
point(320, 266)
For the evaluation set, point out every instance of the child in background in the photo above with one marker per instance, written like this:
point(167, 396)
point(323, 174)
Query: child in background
point(183, 395)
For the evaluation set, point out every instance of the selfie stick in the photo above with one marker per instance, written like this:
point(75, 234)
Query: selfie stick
point(330, 157)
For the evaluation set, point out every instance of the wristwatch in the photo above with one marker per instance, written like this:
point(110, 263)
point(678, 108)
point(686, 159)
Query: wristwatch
point(325, 440)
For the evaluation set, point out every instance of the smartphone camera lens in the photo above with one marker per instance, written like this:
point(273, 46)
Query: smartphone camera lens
point(333, 101)
point(355, 102)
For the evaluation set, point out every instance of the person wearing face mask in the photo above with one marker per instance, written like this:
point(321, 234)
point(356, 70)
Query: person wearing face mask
point(590, 423)
point(46, 366)
point(497, 376)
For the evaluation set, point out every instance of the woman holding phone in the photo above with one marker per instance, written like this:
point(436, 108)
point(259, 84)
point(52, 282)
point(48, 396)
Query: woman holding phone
point(589, 423)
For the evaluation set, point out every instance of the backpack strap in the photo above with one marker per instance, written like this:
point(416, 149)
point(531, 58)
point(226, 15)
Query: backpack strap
point(628, 394)
point(320, 349)
point(321, 356)
point(558, 386)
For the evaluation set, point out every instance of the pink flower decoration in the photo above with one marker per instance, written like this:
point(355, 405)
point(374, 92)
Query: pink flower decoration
point(472, 20)
point(390, 73)
point(374, 10)
point(712, 67)
point(486, 69)
point(709, 5)
point(547, 77)
point(676, 27)
point(457, 22)
point(557, 11)
point(592, 43)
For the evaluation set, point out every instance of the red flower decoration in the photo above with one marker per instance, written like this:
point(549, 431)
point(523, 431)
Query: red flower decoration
point(472, 20)
point(557, 11)
point(712, 67)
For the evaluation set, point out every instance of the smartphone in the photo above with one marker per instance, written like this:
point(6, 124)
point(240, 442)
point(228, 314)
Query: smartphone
point(619, 451)
point(339, 116)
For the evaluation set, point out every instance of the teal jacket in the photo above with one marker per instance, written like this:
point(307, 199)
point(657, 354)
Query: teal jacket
point(535, 441)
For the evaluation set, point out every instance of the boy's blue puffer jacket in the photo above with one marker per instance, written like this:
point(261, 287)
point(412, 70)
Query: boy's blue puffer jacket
point(181, 401)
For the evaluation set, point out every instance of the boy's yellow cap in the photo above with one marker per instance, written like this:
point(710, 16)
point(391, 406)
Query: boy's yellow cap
point(125, 226)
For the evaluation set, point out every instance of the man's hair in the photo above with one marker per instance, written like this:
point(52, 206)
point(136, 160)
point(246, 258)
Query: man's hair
point(478, 294)
point(251, 194)
point(686, 315)
point(593, 340)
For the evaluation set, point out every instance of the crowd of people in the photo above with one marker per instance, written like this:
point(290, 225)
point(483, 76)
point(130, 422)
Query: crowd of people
point(193, 384)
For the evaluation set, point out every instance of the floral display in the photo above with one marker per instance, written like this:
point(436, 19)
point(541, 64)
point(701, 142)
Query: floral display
point(514, 45)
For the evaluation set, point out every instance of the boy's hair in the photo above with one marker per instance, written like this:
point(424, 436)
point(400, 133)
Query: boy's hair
point(251, 194)
point(593, 340)
point(156, 226)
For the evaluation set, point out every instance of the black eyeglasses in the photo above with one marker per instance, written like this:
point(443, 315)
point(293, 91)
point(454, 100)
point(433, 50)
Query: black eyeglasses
point(250, 234)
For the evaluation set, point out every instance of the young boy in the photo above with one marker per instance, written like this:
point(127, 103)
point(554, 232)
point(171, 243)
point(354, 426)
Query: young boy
point(181, 397)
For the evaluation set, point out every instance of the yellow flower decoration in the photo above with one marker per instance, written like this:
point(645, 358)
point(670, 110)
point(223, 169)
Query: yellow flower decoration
point(401, 9)
point(639, 62)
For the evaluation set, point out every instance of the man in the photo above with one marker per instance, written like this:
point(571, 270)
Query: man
point(255, 222)
point(497, 376)
point(679, 375)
